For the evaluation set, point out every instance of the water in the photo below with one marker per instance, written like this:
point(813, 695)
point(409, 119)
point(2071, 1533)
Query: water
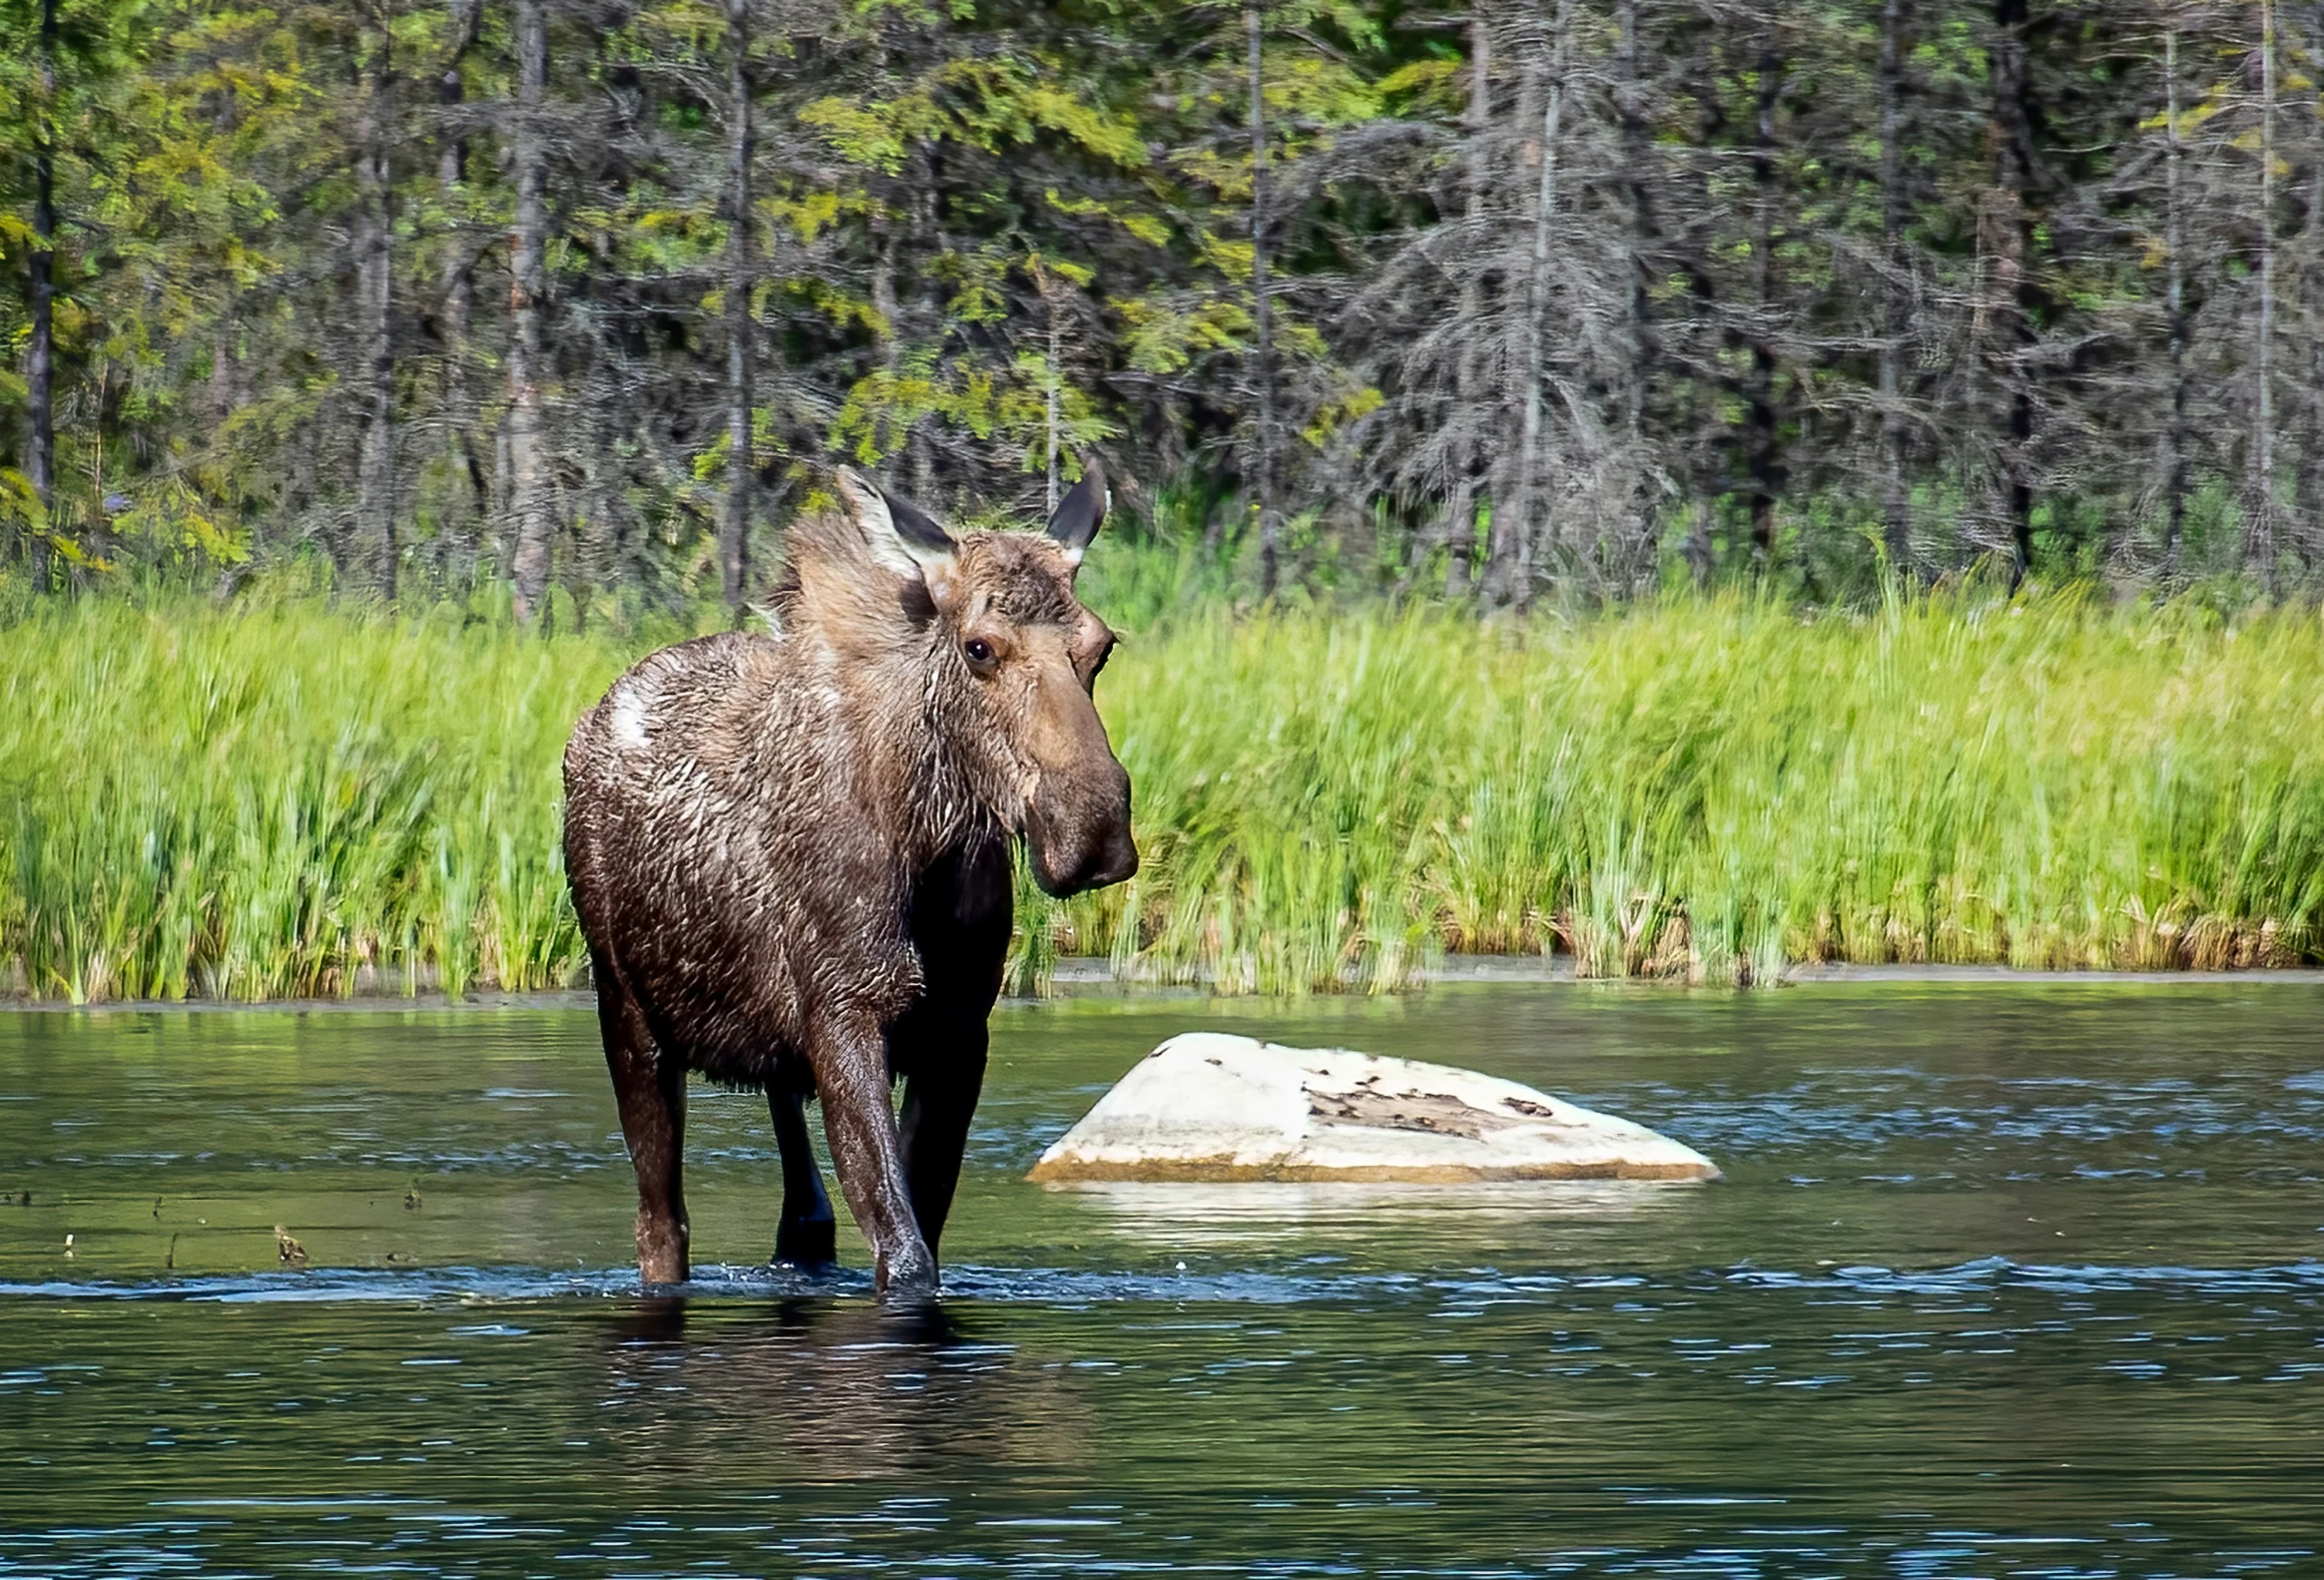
point(2000, 1281)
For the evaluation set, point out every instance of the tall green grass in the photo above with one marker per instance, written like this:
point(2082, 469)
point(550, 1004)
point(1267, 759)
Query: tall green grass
point(292, 798)
point(282, 800)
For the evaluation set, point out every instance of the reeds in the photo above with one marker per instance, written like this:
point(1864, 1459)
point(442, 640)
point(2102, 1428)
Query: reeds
point(283, 800)
point(295, 800)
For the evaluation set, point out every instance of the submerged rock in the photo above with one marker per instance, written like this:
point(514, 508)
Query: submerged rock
point(1206, 1106)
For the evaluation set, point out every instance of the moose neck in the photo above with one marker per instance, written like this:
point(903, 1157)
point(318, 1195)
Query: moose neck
point(951, 787)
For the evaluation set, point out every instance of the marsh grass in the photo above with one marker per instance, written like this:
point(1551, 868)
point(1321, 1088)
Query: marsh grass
point(282, 800)
point(287, 798)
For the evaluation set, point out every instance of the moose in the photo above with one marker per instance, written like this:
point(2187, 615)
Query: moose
point(791, 857)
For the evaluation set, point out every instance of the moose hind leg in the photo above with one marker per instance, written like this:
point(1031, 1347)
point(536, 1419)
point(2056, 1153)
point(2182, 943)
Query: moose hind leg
point(807, 1235)
point(649, 1088)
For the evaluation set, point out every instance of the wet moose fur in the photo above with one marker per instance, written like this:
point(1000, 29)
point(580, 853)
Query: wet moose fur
point(790, 855)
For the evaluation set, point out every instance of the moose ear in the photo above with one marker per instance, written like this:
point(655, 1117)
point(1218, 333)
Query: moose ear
point(1079, 512)
point(899, 533)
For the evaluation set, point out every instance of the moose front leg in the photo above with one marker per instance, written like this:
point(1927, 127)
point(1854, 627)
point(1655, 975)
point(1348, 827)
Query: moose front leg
point(850, 1070)
point(939, 1099)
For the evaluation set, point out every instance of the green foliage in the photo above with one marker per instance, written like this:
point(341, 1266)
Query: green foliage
point(280, 796)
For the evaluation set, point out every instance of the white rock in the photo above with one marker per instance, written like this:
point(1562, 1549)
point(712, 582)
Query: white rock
point(1206, 1106)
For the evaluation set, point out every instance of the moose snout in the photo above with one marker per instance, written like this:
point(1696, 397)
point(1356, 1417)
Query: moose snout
point(1120, 857)
point(1082, 841)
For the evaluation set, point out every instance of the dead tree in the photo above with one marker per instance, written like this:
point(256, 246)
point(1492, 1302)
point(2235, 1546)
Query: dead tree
point(1508, 574)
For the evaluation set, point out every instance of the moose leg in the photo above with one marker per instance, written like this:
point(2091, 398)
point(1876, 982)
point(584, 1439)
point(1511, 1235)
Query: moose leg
point(850, 1070)
point(940, 1098)
point(806, 1236)
point(649, 1088)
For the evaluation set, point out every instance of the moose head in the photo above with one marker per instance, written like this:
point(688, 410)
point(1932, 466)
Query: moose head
point(1011, 658)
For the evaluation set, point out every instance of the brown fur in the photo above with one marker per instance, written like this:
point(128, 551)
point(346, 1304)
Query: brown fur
point(791, 858)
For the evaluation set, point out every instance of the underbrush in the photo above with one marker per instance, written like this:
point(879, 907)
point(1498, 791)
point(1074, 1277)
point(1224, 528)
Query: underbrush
point(287, 798)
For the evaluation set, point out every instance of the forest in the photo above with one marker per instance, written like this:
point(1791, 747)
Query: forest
point(1885, 441)
point(571, 302)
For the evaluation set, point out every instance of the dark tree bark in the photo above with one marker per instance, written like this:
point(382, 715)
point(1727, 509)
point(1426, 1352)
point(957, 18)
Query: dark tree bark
point(2175, 302)
point(40, 461)
point(2259, 511)
point(1263, 323)
point(1708, 437)
point(375, 548)
point(458, 281)
point(528, 461)
point(1763, 446)
point(2017, 297)
point(734, 534)
point(1895, 435)
point(2310, 485)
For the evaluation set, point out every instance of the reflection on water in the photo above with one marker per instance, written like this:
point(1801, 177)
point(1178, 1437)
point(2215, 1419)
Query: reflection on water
point(835, 1393)
point(1199, 1217)
point(2000, 1281)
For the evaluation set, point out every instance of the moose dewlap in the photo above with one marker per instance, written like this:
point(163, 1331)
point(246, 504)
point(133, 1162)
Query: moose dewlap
point(1206, 1106)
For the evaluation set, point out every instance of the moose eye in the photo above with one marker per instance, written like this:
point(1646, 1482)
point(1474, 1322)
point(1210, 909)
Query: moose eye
point(978, 651)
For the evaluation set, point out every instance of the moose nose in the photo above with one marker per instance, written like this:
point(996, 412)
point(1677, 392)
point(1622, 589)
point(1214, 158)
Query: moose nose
point(1118, 859)
point(1110, 861)
point(1071, 854)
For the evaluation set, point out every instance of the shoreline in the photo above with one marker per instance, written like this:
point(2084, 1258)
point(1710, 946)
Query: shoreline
point(1094, 976)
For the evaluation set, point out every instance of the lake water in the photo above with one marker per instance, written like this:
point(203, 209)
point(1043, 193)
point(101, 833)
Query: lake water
point(2001, 1280)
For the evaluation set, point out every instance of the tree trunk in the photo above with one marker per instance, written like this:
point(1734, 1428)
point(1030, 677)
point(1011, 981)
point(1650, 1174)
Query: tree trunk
point(1707, 440)
point(1263, 320)
point(2015, 293)
point(1052, 393)
point(459, 280)
point(1894, 434)
point(589, 566)
point(886, 307)
point(1511, 571)
point(1630, 108)
point(891, 198)
point(376, 552)
point(2259, 547)
point(734, 534)
point(2309, 487)
point(1763, 453)
point(528, 461)
point(927, 309)
point(1699, 540)
point(2175, 432)
point(1470, 393)
point(40, 461)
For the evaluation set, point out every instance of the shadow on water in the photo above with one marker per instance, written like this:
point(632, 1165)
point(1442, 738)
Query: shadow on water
point(2003, 1280)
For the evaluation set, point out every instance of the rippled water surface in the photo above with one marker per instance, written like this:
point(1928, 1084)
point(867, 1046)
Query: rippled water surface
point(2002, 1280)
